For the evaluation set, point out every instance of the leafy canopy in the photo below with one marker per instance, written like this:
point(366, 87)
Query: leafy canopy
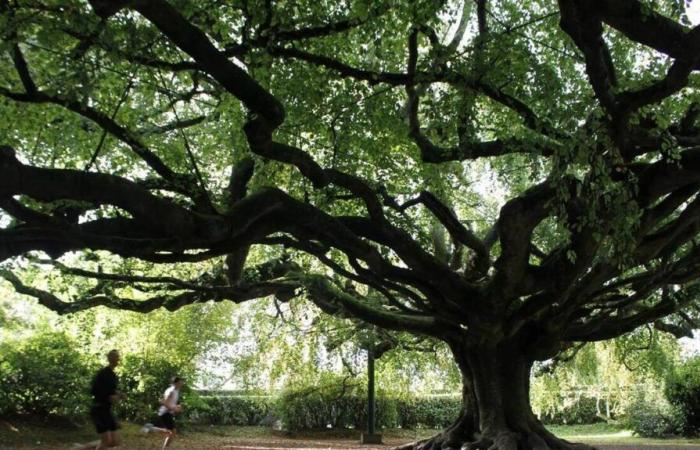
point(489, 171)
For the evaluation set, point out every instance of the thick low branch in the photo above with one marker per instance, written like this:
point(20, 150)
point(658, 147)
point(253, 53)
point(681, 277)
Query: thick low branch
point(675, 79)
point(167, 301)
point(331, 299)
point(684, 227)
point(517, 220)
point(55, 184)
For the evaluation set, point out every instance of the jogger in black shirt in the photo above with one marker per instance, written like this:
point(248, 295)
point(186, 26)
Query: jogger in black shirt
point(105, 394)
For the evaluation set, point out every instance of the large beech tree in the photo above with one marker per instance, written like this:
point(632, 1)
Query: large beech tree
point(339, 150)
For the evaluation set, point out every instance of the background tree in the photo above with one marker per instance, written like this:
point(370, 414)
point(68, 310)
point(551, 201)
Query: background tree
point(342, 150)
point(605, 381)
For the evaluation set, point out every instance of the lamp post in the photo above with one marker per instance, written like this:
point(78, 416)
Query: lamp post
point(370, 437)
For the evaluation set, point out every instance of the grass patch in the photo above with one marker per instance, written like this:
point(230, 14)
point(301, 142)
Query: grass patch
point(603, 433)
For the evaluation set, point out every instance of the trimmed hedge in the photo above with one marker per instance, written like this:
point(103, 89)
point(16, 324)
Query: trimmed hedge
point(342, 403)
point(314, 410)
point(435, 411)
point(305, 412)
point(228, 409)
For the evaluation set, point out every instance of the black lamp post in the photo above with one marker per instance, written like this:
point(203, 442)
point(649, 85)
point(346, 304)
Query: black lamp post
point(370, 437)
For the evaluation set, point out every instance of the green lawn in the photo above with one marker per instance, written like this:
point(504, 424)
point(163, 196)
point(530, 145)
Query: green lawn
point(602, 433)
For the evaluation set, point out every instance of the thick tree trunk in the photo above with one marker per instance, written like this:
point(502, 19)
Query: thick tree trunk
point(496, 412)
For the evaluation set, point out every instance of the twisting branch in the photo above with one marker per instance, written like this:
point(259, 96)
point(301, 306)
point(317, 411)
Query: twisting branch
point(466, 149)
point(517, 220)
point(194, 42)
point(103, 136)
point(167, 301)
point(675, 79)
point(162, 280)
point(459, 232)
point(23, 71)
point(584, 27)
point(611, 326)
point(648, 27)
point(330, 299)
point(382, 285)
point(54, 184)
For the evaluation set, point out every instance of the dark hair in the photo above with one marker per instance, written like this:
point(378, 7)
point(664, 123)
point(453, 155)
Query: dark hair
point(174, 380)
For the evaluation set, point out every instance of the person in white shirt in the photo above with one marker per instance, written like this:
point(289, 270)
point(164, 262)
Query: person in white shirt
point(169, 407)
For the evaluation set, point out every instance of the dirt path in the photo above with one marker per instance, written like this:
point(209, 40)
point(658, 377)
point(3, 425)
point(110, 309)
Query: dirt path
point(219, 443)
point(24, 436)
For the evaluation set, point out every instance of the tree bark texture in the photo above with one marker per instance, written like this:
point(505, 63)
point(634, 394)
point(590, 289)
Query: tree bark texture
point(496, 413)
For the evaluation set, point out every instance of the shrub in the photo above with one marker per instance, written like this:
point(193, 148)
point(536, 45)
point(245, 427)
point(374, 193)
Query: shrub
point(572, 410)
point(336, 401)
point(44, 375)
point(651, 415)
point(683, 392)
point(314, 407)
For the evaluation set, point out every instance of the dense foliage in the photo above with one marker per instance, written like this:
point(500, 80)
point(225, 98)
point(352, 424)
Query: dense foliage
point(44, 375)
point(683, 392)
point(651, 415)
point(144, 378)
point(341, 402)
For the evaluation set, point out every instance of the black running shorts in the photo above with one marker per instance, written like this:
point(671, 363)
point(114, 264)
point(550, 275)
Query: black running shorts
point(166, 421)
point(103, 419)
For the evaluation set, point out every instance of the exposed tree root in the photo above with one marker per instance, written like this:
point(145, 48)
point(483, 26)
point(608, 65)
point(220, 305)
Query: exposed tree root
point(540, 439)
point(496, 413)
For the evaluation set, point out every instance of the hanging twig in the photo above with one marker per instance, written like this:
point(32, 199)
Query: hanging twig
point(103, 137)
